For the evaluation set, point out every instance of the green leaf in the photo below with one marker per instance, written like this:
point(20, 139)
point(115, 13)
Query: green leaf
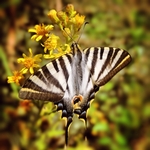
point(103, 126)
point(120, 139)
point(104, 140)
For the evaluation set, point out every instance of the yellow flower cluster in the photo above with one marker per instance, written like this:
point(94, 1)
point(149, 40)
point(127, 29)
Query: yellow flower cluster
point(28, 63)
point(69, 22)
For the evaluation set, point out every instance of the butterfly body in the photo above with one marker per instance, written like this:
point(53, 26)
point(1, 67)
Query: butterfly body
point(80, 84)
point(72, 80)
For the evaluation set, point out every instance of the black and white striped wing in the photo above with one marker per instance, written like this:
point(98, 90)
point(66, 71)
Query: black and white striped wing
point(105, 62)
point(48, 83)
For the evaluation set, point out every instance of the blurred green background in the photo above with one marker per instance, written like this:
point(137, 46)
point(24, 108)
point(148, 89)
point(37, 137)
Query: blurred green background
point(119, 117)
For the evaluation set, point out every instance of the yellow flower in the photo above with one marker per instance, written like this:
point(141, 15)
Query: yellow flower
point(52, 14)
point(70, 10)
point(52, 55)
point(29, 62)
point(79, 20)
point(63, 19)
point(51, 43)
point(67, 48)
point(41, 31)
point(61, 50)
point(17, 76)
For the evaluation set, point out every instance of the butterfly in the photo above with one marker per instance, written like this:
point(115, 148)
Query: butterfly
point(72, 80)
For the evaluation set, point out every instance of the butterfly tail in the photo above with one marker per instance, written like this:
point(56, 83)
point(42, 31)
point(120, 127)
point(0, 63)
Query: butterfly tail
point(69, 121)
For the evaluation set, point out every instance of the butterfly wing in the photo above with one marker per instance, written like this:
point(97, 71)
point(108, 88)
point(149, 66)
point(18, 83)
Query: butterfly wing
point(105, 62)
point(49, 82)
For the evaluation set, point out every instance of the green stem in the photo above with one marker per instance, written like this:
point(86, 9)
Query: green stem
point(8, 71)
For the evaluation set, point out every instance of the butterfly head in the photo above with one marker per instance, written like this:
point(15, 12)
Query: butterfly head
point(75, 47)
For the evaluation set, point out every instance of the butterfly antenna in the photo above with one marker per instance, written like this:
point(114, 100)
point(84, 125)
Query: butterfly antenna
point(83, 117)
point(80, 34)
point(68, 35)
point(82, 31)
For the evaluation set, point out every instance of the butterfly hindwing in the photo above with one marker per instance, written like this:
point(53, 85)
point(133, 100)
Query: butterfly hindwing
point(105, 62)
point(49, 82)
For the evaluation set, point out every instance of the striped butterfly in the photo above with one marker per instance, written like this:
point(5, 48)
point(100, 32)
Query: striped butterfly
point(72, 80)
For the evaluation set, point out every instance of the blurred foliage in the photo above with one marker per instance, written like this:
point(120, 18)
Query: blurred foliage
point(119, 117)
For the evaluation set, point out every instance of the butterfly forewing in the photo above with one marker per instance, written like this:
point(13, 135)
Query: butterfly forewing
point(49, 82)
point(105, 62)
